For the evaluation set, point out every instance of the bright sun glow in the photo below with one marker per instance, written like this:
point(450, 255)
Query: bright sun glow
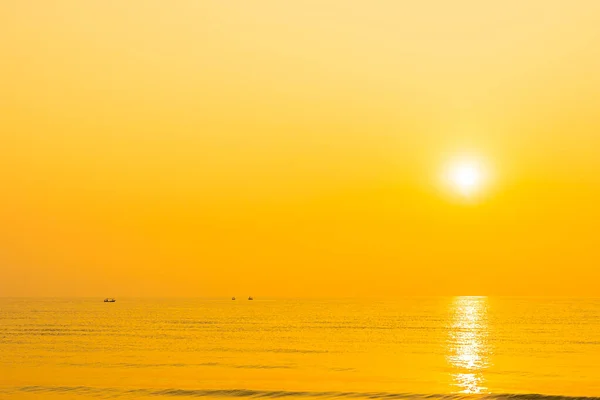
point(465, 177)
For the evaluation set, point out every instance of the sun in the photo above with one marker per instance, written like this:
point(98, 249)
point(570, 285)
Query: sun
point(465, 177)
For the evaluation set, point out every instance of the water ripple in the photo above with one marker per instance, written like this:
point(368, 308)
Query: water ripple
point(248, 393)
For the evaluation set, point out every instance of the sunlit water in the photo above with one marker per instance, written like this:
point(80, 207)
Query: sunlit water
point(411, 348)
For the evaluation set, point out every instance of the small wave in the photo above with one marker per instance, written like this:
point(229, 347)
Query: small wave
point(257, 394)
point(177, 365)
point(267, 350)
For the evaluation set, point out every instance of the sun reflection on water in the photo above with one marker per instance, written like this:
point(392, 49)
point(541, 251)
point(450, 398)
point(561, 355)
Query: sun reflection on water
point(468, 351)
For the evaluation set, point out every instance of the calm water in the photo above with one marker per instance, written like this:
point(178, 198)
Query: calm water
point(411, 348)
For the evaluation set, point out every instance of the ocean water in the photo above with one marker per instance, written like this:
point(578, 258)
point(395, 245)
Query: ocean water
point(522, 348)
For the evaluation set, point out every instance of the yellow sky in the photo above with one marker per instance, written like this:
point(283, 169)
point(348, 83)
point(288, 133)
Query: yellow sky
point(276, 148)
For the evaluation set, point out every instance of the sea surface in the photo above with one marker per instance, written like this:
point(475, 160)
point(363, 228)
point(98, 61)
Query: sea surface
point(421, 348)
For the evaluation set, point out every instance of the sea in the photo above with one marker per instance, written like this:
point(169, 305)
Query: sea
point(526, 348)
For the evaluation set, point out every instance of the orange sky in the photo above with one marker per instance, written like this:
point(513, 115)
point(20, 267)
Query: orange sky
point(217, 148)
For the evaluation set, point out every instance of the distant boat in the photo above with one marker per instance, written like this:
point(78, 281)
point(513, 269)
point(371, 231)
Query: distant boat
point(109, 300)
point(250, 298)
point(233, 298)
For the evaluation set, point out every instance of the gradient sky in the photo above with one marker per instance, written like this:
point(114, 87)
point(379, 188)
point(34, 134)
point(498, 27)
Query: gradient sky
point(276, 148)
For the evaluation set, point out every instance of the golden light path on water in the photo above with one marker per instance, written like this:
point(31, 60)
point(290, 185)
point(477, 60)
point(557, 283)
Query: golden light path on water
point(468, 350)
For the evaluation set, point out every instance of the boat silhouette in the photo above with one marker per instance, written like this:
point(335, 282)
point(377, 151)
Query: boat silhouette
point(250, 298)
point(109, 300)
